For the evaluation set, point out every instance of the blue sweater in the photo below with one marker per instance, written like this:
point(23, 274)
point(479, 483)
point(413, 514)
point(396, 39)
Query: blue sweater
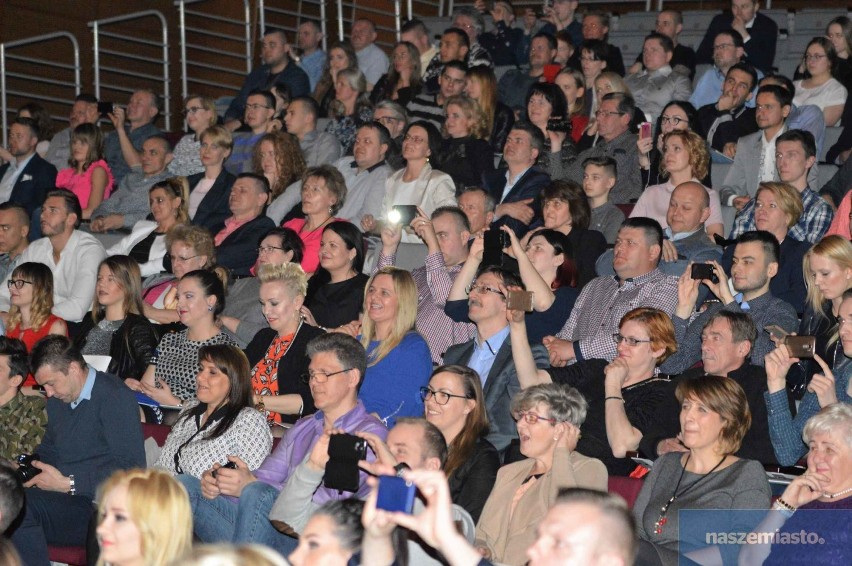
point(391, 388)
point(102, 435)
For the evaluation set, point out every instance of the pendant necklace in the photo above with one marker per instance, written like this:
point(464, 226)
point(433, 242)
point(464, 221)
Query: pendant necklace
point(658, 526)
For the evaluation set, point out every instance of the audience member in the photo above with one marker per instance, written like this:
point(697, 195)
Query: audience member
point(235, 243)
point(592, 62)
point(670, 24)
point(514, 84)
point(729, 119)
point(341, 519)
point(131, 203)
point(31, 300)
point(341, 55)
point(276, 68)
point(278, 158)
point(259, 110)
point(372, 61)
point(301, 120)
point(469, 19)
point(432, 107)
point(547, 109)
point(134, 125)
point(839, 32)
point(821, 89)
point(759, 34)
point(393, 117)
point(14, 229)
point(596, 27)
point(26, 177)
point(572, 83)
point(200, 114)
point(366, 172)
point(658, 83)
point(79, 450)
point(402, 82)
point(454, 46)
point(478, 205)
point(415, 32)
point(806, 117)
point(561, 16)
point(89, 176)
point(676, 116)
point(84, 110)
point(23, 416)
point(728, 51)
point(71, 254)
point(465, 155)
point(599, 177)
point(482, 87)
point(504, 43)
point(311, 58)
point(350, 109)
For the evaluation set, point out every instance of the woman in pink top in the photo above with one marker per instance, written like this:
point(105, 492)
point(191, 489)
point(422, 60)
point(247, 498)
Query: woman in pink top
point(89, 176)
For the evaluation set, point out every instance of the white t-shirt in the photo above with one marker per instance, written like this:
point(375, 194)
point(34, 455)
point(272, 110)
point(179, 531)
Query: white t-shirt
point(831, 93)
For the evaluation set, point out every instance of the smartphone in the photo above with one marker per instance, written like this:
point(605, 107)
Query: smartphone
point(645, 130)
point(105, 108)
point(495, 241)
point(519, 300)
point(801, 346)
point(341, 471)
point(402, 214)
point(550, 72)
point(704, 271)
point(776, 331)
point(229, 466)
point(396, 494)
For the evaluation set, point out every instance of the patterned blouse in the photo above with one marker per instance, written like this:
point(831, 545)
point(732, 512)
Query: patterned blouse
point(176, 361)
point(264, 375)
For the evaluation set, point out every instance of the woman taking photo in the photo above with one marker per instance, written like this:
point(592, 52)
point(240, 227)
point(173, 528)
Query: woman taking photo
point(499, 118)
point(146, 243)
point(572, 83)
point(465, 155)
point(549, 417)
point(341, 56)
point(676, 116)
point(547, 110)
point(335, 292)
point(221, 424)
point(714, 417)
point(200, 114)
point(277, 354)
point(115, 327)
point(278, 157)
point(645, 339)
point(323, 193)
point(456, 405)
point(402, 81)
point(350, 109)
point(89, 176)
point(388, 335)
point(821, 89)
point(685, 158)
point(209, 191)
point(170, 378)
point(144, 517)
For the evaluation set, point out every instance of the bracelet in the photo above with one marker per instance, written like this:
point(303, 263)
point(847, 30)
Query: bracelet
point(617, 398)
point(73, 486)
point(784, 504)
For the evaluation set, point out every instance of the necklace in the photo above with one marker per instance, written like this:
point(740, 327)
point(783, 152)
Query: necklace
point(838, 494)
point(315, 229)
point(658, 526)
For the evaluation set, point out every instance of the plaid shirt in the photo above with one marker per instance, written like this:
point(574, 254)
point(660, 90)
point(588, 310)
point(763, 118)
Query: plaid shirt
point(434, 282)
point(24, 420)
point(604, 301)
point(812, 225)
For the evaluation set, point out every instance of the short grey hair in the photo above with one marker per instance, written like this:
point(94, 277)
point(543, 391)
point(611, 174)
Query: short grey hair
point(565, 404)
point(836, 418)
point(473, 14)
point(397, 109)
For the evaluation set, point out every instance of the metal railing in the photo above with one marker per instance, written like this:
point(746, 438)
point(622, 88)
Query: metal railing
point(198, 40)
point(290, 18)
point(349, 11)
point(138, 56)
point(27, 73)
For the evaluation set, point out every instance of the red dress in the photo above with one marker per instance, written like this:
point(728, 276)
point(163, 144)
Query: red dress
point(32, 335)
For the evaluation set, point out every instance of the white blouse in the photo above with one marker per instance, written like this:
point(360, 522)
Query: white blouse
point(830, 93)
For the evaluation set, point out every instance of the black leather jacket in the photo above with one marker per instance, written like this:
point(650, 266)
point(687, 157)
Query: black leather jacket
point(131, 347)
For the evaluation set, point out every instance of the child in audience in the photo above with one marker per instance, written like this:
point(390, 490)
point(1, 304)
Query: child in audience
point(599, 177)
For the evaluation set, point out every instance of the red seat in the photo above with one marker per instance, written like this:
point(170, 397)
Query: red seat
point(628, 488)
point(626, 209)
point(72, 555)
point(156, 431)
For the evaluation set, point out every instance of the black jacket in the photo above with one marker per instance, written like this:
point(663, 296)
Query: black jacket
point(238, 252)
point(504, 119)
point(527, 187)
point(131, 347)
point(759, 49)
point(291, 366)
point(466, 160)
point(213, 209)
point(471, 483)
point(32, 184)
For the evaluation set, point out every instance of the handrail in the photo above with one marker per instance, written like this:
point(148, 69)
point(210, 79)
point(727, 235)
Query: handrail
point(159, 79)
point(297, 14)
point(371, 8)
point(5, 73)
point(186, 61)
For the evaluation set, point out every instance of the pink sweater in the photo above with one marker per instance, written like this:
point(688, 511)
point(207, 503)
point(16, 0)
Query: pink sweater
point(81, 185)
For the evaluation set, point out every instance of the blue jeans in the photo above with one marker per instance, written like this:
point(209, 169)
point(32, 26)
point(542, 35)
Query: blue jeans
point(50, 517)
point(242, 521)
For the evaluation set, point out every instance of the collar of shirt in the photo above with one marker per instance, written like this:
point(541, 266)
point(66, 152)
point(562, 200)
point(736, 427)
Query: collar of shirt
point(667, 231)
point(86, 392)
point(751, 21)
point(493, 344)
point(663, 71)
point(354, 165)
point(742, 302)
point(638, 280)
point(345, 422)
point(510, 182)
point(21, 165)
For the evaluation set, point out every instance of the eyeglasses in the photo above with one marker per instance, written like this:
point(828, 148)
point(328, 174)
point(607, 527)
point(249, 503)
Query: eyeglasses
point(177, 258)
point(17, 283)
point(192, 110)
point(482, 289)
point(441, 397)
point(413, 139)
point(320, 376)
point(618, 338)
point(673, 120)
point(814, 56)
point(268, 249)
point(600, 113)
point(531, 418)
point(387, 120)
point(256, 107)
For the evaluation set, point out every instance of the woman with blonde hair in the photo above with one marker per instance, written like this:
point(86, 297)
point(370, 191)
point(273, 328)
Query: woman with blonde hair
point(572, 83)
point(209, 190)
point(200, 114)
point(351, 107)
point(387, 333)
point(465, 155)
point(278, 157)
point(499, 118)
point(402, 82)
point(144, 517)
point(341, 56)
point(89, 176)
point(116, 327)
point(146, 243)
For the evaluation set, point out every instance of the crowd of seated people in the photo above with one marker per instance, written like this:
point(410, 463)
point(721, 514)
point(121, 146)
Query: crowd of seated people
point(502, 287)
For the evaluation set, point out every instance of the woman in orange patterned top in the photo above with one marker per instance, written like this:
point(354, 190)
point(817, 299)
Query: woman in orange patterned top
point(277, 353)
point(31, 298)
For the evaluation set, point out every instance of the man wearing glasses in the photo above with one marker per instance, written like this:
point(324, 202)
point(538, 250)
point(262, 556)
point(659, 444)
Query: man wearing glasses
point(233, 505)
point(489, 353)
point(727, 52)
point(260, 108)
point(759, 33)
point(430, 107)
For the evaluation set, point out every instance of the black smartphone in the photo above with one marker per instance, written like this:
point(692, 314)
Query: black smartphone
point(704, 271)
point(396, 494)
point(403, 214)
point(341, 471)
point(105, 108)
point(495, 241)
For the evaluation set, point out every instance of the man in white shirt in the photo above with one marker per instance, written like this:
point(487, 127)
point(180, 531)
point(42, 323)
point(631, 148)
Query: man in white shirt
point(372, 61)
point(73, 256)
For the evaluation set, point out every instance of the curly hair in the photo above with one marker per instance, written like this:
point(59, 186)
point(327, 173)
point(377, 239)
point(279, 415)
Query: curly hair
point(472, 111)
point(696, 147)
point(288, 159)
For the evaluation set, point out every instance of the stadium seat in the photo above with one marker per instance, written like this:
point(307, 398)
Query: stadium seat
point(628, 488)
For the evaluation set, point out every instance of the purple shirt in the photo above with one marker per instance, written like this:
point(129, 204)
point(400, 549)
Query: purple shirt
point(298, 442)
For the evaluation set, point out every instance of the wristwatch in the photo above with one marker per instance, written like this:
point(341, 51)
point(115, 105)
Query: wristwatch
point(73, 489)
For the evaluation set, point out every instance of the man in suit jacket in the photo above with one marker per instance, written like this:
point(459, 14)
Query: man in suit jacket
point(515, 188)
point(27, 179)
point(489, 353)
point(236, 243)
point(759, 32)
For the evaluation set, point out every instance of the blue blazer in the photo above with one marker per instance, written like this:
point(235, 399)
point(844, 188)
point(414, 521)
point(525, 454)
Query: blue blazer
point(528, 186)
point(214, 208)
point(37, 178)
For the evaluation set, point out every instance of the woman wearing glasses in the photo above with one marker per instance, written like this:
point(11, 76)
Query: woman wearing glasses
point(677, 116)
point(31, 300)
point(456, 405)
point(549, 418)
point(200, 114)
point(623, 394)
point(220, 425)
point(278, 354)
point(821, 88)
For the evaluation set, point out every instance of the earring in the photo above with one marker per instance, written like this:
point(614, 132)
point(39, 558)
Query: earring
point(210, 308)
point(330, 211)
